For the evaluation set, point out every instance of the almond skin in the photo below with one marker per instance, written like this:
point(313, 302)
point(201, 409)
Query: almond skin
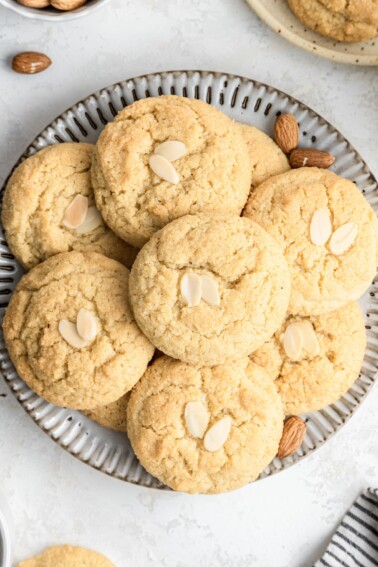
point(67, 4)
point(30, 62)
point(308, 157)
point(35, 3)
point(292, 437)
point(286, 132)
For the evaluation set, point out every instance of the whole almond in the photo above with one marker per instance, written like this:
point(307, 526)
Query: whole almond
point(35, 3)
point(286, 132)
point(292, 437)
point(308, 157)
point(30, 62)
point(67, 4)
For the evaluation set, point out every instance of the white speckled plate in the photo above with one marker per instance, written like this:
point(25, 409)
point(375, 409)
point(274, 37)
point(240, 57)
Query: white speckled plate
point(244, 100)
point(278, 16)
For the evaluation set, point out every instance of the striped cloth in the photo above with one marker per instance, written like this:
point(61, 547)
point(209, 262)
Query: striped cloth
point(355, 543)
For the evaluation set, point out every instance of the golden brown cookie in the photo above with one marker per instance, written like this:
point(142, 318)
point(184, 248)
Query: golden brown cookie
point(352, 20)
point(42, 324)
point(315, 367)
point(206, 430)
point(36, 199)
point(266, 158)
point(213, 175)
point(113, 415)
point(67, 556)
point(327, 231)
point(238, 278)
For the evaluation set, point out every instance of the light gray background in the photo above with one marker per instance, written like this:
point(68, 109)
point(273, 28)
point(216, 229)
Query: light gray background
point(284, 521)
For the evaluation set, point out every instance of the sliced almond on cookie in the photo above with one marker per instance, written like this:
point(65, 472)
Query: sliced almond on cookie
point(171, 150)
point(164, 169)
point(218, 434)
point(69, 333)
point(209, 291)
point(92, 221)
point(343, 238)
point(321, 227)
point(310, 340)
point(196, 418)
point(75, 213)
point(86, 325)
point(293, 342)
point(191, 289)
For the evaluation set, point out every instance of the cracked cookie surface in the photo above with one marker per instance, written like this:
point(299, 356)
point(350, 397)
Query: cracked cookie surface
point(266, 158)
point(36, 197)
point(57, 289)
point(214, 174)
point(314, 382)
point(344, 20)
point(113, 415)
point(161, 440)
point(284, 206)
point(246, 266)
point(67, 556)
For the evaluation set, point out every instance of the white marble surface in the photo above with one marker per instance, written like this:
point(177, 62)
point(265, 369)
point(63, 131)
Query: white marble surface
point(284, 521)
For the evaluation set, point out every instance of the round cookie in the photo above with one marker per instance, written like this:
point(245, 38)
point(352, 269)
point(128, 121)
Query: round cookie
point(351, 21)
point(82, 376)
point(321, 280)
point(320, 375)
point(266, 158)
point(233, 256)
point(67, 556)
point(158, 423)
point(113, 415)
point(214, 175)
point(36, 198)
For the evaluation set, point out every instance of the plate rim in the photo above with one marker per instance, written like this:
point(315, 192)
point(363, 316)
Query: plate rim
point(174, 74)
point(333, 55)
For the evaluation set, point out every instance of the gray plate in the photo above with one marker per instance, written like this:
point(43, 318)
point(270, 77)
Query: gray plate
point(244, 100)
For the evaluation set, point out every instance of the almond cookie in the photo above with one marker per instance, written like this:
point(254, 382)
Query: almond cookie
point(113, 415)
point(327, 231)
point(350, 21)
point(138, 190)
point(266, 158)
point(48, 208)
point(67, 556)
point(70, 332)
point(206, 430)
point(315, 360)
point(206, 288)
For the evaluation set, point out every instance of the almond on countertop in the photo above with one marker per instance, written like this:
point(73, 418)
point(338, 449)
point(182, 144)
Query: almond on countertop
point(286, 132)
point(308, 157)
point(292, 436)
point(30, 62)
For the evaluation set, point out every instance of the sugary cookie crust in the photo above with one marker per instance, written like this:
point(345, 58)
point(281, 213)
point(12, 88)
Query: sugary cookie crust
point(315, 382)
point(36, 197)
point(163, 444)
point(284, 206)
point(214, 175)
point(113, 415)
point(67, 556)
point(266, 158)
point(248, 268)
point(344, 20)
point(57, 289)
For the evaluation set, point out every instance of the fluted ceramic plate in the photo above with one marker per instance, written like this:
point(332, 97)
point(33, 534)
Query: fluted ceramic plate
point(278, 16)
point(247, 101)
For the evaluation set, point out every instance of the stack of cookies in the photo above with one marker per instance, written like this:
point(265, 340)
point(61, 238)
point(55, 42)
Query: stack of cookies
point(244, 276)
